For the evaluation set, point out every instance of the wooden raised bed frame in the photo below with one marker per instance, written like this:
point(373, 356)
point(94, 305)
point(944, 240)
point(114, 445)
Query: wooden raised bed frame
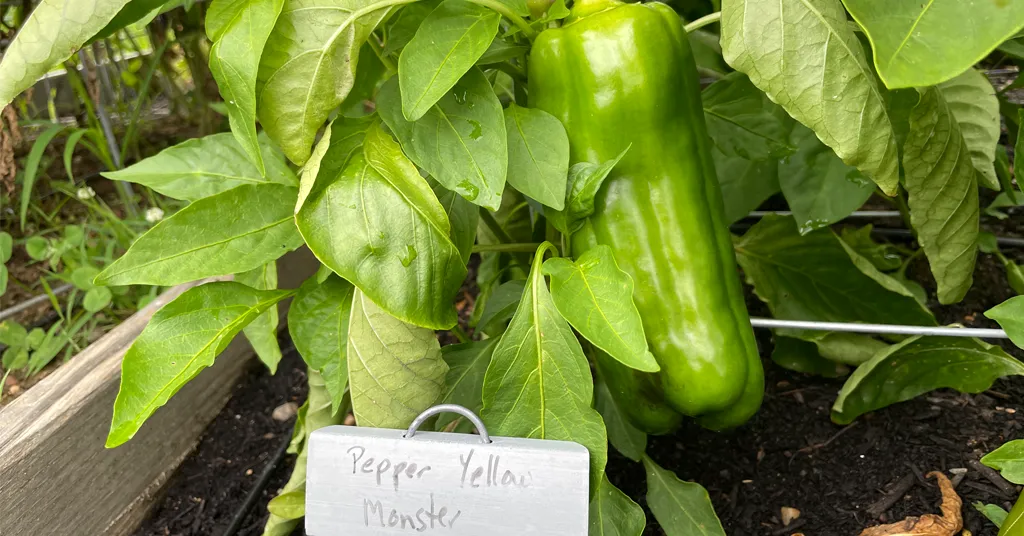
point(56, 477)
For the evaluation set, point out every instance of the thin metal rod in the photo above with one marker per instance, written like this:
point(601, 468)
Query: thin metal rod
point(904, 233)
point(449, 408)
point(857, 214)
point(7, 313)
point(891, 329)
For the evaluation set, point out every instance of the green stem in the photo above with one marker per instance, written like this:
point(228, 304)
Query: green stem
point(504, 11)
point(703, 21)
point(388, 64)
point(460, 334)
point(494, 226)
point(506, 248)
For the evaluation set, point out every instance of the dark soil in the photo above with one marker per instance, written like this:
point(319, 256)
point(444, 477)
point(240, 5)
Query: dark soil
point(789, 455)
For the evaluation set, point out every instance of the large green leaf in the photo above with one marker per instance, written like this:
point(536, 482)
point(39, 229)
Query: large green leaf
point(942, 184)
point(805, 56)
point(1015, 520)
point(378, 224)
point(467, 364)
point(973, 103)
point(318, 323)
point(745, 183)
point(538, 384)
point(801, 356)
point(920, 43)
point(262, 331)
point(180, 341)
point(626, 438)
point(818, 186)
point(50, 35)
point(401, 28)
point(202, 167)
point(1009, 460)
point(231, 232)
point(596, 297)
point(812, 277)
point(239, 30)
point(538, 154)
point(463, 217)
point(395, 369)
point(743, 122)
point(500, 307)
point(1010, 315)
point(133, 11)
point(613, 513)
point(919, 365)
point(444, 48)
point(460, 141)
point(342, 140)
point(681, 508)
point(308, 66)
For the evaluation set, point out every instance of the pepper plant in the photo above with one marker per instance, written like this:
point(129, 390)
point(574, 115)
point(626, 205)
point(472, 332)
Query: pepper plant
point(571, 148)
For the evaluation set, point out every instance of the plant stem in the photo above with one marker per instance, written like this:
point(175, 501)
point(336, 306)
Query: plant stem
point(494, 226)
point(460, 333)
point(503, 10)
point(703, 21)
point(506, 248)
point(388, 64)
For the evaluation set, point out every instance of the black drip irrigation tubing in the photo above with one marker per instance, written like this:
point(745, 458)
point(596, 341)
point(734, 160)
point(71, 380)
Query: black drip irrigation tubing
point(254, 493)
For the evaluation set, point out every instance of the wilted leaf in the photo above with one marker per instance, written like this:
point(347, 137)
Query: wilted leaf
point(947, 524)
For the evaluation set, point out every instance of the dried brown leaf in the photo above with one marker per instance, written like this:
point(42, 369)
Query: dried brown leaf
point(948, 524)
point(10, 137)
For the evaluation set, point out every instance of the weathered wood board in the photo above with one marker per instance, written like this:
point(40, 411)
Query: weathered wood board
point(56, 477)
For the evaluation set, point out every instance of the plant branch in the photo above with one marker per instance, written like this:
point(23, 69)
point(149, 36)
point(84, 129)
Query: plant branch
point(494, 226)
point(504, 11)
point(506, 248)
point(703, 21)
point(388, 64)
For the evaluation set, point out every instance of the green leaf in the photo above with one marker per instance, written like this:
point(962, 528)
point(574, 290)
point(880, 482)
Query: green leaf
point(992, 512)
point(318, 323)
point(291, 505)
point(262, 331)
point(743, 122)
point(231, 232)
point(919, 365)
point(203, 167)
point(745, 183)
point(96, 299)
point(1015, 520)
point(35, 155)
point(819, 187)
point(502, 50)
point(180, 341)
point(538, 154)
point(882, 256)
point(50, 35)
point(500, 307)
point(788, 47)
point(585, 180)
point(626, 438)
point(467, 364)
point(463, 217)
point(911, 39)
point(1009, 460)
point(812, 277)
point(83, 275)
point(445, 47)
point(681, 508)
point(395, 369)
point(1010, 315)
point(460, 141)
point(6, 246)
point(973, 103)
point(538, 384)
point(342, 139)
point(308, 66)
point(37, 247)
point(942, 184)
point(613, 513)
point(239, 30)
point(844, 348)
point(596, 297)
point(801, 356)
point(402, 27)
point(133, 11)
point(4, 276)
point(378, 224)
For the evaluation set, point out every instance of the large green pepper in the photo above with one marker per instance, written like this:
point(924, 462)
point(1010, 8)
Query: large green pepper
point(623, 75)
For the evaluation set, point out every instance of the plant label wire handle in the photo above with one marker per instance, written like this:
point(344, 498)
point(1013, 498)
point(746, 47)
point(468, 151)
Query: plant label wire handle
point(379, 481)
point(449, 408)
